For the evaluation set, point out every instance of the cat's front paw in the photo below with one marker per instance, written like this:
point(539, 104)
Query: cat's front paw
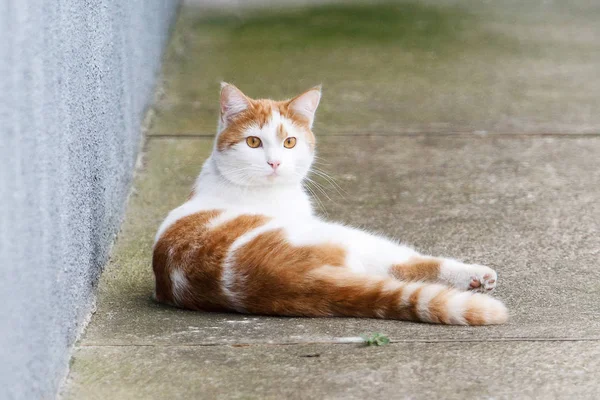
point(477, 278)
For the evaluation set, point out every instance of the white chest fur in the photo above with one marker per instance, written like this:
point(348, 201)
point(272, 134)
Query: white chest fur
point(211, 192)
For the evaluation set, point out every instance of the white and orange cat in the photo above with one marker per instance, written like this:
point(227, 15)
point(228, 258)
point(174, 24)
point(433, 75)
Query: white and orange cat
point(248, 240)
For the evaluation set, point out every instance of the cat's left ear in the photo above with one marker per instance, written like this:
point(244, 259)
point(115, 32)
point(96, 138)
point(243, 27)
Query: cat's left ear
point(306, 104)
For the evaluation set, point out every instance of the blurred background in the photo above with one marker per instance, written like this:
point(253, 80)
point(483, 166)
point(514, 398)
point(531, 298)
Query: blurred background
point(469, 128)
point(421, 66)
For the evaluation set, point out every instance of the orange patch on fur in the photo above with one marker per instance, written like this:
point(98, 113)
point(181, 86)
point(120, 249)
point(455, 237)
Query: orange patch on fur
point(413, 302)
point(438, 306)
point(198, 251)
point(417, 269)
point(474, 316)
point(173, 240)
point(277, 279)
point(483, 310)
point(281, 132)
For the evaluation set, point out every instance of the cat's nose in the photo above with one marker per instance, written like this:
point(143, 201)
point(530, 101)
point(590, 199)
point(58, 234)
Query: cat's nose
point(274, 164)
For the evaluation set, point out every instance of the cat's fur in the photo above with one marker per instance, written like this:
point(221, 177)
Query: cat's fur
point(247, 239)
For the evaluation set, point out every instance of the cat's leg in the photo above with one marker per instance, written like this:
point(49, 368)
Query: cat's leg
point(374, 254)
point(455, 273)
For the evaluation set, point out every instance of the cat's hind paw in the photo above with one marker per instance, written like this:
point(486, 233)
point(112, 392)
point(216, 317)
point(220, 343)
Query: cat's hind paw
point(477, 278)
point(484, 283)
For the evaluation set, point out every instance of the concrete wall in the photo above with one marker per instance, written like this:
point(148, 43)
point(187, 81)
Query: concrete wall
point(75, 79)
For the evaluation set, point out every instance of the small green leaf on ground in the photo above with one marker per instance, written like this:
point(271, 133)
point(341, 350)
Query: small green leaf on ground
point(376, 339)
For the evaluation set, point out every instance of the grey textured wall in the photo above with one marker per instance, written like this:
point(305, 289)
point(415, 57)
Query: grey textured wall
point(75, 78)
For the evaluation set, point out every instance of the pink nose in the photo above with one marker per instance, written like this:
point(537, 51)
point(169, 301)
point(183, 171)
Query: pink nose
point(274, 164)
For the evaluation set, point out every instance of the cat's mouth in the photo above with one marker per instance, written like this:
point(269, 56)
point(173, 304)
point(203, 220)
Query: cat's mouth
point(275, 176)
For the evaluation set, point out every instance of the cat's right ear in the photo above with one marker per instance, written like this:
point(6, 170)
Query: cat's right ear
point(233, 102)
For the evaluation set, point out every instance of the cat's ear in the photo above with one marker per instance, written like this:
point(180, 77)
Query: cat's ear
point(306, 104)
point(233, 102)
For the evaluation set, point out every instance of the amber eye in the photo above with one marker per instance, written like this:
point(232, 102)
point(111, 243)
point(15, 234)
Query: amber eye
point(253, 141)
point(289, 142)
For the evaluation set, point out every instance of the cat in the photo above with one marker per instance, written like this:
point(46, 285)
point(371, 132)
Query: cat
point(247, 239)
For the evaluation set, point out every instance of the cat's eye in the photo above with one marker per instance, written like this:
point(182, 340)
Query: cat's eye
point(253, 142)
point(289, 142)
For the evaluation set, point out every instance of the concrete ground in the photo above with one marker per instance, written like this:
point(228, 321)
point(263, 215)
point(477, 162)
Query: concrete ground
point(468, 130)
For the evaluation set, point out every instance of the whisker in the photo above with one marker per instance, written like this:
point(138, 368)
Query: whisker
point(319, 187)
point(316, 198)
point(331, 181)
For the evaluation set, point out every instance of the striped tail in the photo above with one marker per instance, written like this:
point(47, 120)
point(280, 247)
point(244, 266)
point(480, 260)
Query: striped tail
point(334, 291)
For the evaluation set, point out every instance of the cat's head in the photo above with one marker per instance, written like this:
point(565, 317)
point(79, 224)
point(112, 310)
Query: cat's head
point(265, 142)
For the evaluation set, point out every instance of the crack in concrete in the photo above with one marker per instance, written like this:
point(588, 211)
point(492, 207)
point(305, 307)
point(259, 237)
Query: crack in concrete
point(348, 340)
